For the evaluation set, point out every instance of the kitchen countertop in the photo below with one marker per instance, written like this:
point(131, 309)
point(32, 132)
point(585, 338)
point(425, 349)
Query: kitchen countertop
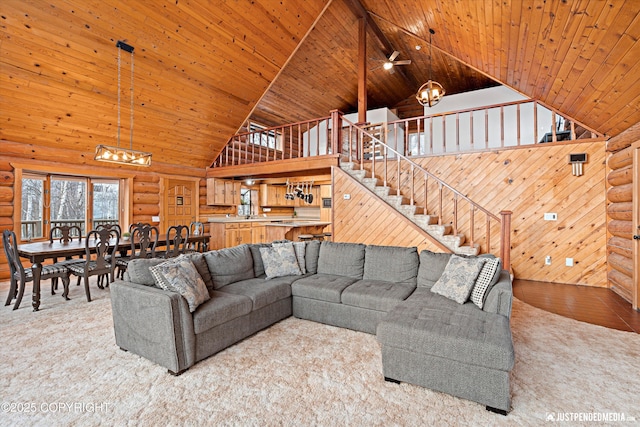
point(298, 224)
point(272, 220)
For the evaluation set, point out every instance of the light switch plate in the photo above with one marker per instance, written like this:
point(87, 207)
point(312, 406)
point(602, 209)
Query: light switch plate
point(550, 216)
point(347, 196)
point(155, 219)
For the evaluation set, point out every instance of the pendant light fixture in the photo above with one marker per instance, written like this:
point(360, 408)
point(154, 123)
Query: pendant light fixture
point(106, 153)
point(431, 92)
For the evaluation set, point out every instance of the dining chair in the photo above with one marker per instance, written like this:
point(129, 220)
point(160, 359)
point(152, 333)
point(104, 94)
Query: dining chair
point(20, 275)
point(196, 228)
point(177, 240)
point(146, 237)
point(105, 243)
point(64, 234)
point(137, 224)
point(110, 227)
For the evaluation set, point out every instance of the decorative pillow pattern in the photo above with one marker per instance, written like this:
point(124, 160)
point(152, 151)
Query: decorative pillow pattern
point(181, 276)
point(299, 248)
point(458, 278)
point(486, 279)
point(280, 261)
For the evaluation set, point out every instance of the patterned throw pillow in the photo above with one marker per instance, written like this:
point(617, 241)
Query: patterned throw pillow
point(486, 279)
point(300, 249)
point(280, 261)
point(458, 278)
point(180, 275)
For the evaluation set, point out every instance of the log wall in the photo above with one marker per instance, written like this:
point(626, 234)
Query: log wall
point(530, 182)
point(620, 203)
point(146, 192)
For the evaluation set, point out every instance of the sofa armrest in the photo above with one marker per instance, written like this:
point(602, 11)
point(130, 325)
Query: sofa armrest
point(153, 323)
point(500, 296)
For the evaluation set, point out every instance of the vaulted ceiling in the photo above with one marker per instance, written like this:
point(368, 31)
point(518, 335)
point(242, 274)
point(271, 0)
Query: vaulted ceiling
point(203, 67)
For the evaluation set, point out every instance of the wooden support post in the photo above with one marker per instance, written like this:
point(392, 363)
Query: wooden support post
point(362, 70)
point(336, 132)
point(505, 239)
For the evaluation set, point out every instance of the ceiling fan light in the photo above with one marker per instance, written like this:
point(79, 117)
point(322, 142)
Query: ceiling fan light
point(387, 65)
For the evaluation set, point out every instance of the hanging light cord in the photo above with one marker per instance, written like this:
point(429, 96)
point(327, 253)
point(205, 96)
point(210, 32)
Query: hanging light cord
point(118, 98)
point(131, 91)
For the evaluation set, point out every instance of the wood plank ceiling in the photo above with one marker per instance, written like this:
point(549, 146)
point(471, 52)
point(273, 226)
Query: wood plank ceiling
point(202, 68)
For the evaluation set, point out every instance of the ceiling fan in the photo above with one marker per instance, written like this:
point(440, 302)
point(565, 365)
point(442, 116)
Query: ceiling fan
point(391, 62)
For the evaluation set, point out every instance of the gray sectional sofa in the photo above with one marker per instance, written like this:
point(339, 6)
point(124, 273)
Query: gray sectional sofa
point(426, 339)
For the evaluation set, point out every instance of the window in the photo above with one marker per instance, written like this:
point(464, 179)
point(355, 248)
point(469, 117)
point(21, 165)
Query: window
point(31, 216)
point(244, 208)
point(54, 200)
point(264, 138)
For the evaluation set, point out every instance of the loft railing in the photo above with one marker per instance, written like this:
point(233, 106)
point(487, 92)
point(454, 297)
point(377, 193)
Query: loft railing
point(428, 192)
point(303, 139)
point(497, 126)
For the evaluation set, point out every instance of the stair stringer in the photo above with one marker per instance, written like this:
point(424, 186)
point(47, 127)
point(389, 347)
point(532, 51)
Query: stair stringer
point(391, 215)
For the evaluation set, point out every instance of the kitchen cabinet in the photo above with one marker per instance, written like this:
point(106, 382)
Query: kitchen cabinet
point(258, 233)
point(237, 234)
point(223, 192)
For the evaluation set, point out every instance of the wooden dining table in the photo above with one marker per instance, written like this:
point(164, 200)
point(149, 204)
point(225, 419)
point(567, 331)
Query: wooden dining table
point(38, 252)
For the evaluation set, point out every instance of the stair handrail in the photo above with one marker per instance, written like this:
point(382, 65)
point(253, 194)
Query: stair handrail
point(506, 215)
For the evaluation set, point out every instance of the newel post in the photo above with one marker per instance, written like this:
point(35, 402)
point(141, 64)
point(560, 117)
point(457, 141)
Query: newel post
point(505, 239)
point(336, 131)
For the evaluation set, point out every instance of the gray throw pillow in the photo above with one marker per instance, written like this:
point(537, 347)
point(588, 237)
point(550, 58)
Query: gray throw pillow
point(280, 260)
point(488, 277)
point(458, 278)
point(181, 276)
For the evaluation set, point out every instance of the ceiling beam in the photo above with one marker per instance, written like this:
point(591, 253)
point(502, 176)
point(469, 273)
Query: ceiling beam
point(359, 11)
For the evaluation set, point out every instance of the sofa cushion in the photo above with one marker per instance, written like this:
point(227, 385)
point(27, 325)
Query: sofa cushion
point(230, 265)
point(432, 324)
point(221, 308)
point(138, 271)
point(201, 265)
point(180, 275)
point(280, 260)
point(323, 287)
point(262, 292)
point(391, 264)
point(432, 265)
point(376, 294)
point(341, 259)
point(487, 278)
point(458, 278)
point(312, 251)
point(258, 265)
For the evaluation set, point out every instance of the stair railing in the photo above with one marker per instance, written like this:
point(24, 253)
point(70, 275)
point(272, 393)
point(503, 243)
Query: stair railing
point(362, 147)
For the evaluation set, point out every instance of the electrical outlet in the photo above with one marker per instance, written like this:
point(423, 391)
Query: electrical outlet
point(155, 219)
point(550, 216)
point(547, 260)
point(347, 196)
point(569, 262)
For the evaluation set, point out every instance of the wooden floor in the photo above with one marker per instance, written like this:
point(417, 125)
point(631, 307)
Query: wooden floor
point(599, 306)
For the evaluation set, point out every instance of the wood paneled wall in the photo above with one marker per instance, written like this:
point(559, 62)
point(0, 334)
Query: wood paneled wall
point(528, 182)
point(620, 200)
point(363, 218)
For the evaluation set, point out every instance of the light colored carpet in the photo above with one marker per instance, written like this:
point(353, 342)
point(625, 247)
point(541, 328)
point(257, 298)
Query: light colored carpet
point(60, 366)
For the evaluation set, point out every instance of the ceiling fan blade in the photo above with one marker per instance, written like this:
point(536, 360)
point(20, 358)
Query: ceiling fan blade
point(392, 71)
point(394, 55)
point(403, 62)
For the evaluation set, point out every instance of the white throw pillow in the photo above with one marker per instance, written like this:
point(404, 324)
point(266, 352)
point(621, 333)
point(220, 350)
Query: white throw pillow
point(458, 278)
point(486, 279)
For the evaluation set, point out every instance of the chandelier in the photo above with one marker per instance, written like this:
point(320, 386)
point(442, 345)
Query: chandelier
point(431, 92)
point(117, 154)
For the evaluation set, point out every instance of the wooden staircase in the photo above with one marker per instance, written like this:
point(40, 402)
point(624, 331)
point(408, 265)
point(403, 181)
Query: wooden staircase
point(431, 224)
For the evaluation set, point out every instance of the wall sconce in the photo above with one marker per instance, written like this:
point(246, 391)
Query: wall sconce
point(576, 161)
